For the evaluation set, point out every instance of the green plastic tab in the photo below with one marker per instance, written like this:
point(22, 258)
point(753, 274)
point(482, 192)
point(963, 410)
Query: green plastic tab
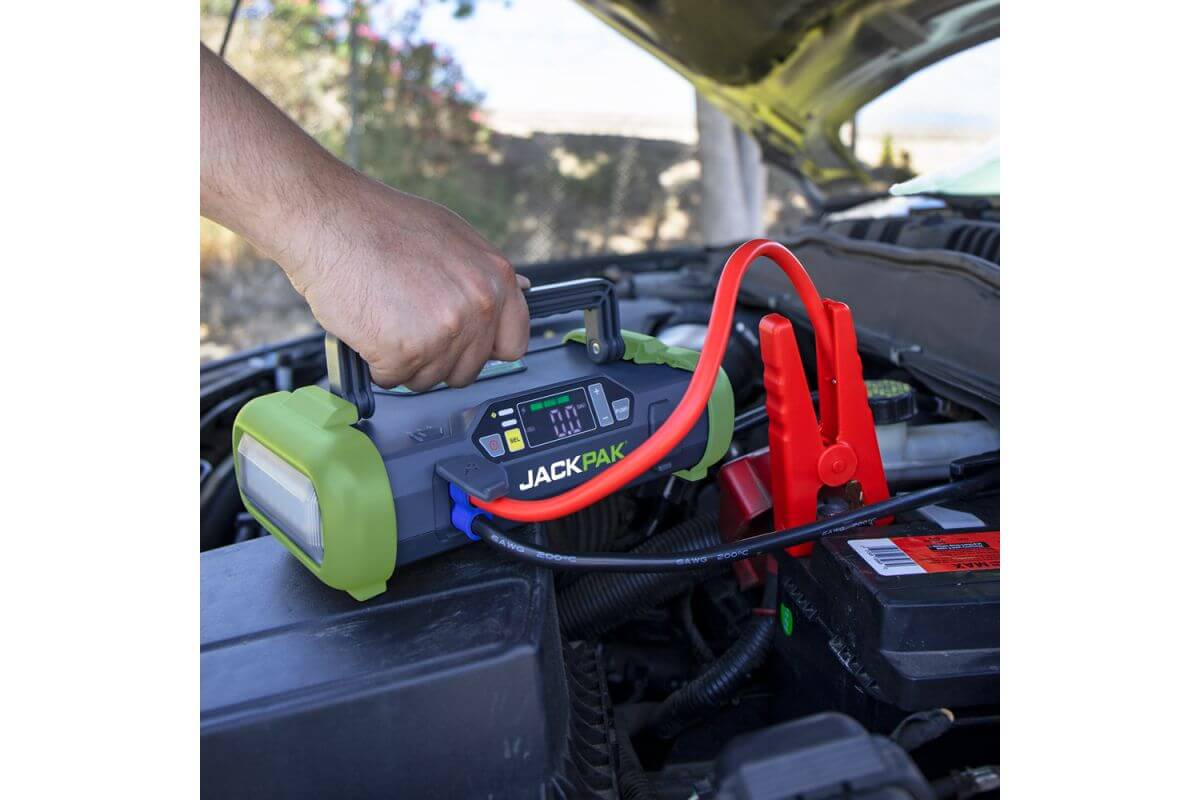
point(786, 621)
point(313, 431)
point(643, 349)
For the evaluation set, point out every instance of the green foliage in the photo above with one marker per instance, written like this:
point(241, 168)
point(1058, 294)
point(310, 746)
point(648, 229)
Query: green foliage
point(414, 118)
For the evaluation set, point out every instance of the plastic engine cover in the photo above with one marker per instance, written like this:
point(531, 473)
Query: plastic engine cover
point(821, 757)
point(451, 684)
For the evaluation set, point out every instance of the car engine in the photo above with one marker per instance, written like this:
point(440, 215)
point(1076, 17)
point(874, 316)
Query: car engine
point(865, 663)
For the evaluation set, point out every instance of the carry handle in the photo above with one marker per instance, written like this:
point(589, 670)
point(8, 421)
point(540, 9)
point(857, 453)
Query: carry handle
point(350, 377)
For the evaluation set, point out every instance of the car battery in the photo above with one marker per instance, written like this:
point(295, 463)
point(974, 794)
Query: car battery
point(884, 621)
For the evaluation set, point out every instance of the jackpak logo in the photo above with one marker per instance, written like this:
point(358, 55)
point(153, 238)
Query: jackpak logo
point(576, 465)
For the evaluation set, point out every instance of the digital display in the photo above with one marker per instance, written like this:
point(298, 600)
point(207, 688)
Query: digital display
point(556, 416)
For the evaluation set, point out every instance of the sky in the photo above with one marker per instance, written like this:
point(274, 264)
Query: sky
point(551, 61)
point(552, 57)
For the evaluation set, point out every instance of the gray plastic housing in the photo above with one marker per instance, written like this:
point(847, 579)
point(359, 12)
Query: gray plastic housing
point(418, 433)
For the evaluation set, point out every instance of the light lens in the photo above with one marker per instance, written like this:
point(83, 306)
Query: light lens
point(283, 494)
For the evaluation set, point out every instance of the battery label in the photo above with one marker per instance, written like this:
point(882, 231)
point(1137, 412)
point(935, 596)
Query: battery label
point(941, 552)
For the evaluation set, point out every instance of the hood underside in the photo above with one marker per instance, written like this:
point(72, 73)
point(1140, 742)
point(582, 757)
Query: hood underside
point(791, 72)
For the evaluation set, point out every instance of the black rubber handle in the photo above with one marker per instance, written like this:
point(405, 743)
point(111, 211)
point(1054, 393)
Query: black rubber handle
point(350, 378)
point(597, 299)
point(349, 375)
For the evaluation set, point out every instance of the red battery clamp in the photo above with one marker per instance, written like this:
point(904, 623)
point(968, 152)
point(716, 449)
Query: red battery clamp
point(804, 457)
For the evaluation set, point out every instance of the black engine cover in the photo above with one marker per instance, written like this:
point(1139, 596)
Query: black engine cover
point(451, 684)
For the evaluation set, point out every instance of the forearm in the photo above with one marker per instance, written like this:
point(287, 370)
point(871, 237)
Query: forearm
point(261, 176)
point(405, 282)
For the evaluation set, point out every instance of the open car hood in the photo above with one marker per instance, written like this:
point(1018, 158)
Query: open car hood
point(793, 71)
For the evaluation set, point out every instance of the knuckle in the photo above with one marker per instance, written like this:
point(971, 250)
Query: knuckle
point(503, 265)
point(402, 356)
point(487, 305)
point(483, 294)
point(448, 324)
point(399, 361)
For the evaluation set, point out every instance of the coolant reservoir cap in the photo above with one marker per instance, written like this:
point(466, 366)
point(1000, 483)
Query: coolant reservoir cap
point(891, 401)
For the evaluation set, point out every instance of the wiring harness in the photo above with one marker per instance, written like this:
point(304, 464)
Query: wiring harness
point(765, 543)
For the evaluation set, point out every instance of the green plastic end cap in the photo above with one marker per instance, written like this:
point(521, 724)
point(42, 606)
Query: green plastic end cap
point(367, 592)
point(313, 431)
point(643, 349)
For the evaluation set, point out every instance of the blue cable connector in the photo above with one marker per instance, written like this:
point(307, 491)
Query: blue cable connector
point(462, 513)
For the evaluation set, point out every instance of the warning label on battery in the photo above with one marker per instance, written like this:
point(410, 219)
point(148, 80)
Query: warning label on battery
point(941, 552)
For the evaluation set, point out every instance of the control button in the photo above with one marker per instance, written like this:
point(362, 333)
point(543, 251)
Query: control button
point(508, 423)
point(493, 443)
point(600, 401)
point(427, 434)
point(515, 442)
point(505, 412)
point(621, 409)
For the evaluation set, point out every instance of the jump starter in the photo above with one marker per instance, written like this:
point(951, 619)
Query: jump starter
point(356, 480)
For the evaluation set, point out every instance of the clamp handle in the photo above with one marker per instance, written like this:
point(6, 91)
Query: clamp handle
point(350, 377)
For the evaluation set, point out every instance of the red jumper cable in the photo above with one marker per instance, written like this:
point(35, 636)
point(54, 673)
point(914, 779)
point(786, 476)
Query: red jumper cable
point(809, 457)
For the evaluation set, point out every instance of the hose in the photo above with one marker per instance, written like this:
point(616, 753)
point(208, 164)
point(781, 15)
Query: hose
point(687, 620)
point(746, 548)
point(596, 527)
point(597, 603)
point(632, 782)
point(721, 680)
point(695, 400)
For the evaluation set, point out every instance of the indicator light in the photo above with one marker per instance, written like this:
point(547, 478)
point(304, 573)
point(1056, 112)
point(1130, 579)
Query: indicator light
point(786, 621)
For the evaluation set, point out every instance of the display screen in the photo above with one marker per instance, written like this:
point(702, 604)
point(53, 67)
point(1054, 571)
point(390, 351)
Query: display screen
point(556, 416)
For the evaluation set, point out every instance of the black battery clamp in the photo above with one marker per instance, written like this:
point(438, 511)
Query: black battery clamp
point(376, 466)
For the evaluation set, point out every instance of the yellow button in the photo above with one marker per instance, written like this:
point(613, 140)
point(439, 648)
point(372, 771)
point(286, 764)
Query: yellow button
point(515, 442)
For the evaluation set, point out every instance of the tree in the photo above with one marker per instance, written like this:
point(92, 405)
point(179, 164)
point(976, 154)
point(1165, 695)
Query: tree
point(732, 178)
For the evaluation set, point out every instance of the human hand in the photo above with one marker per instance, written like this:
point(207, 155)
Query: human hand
point(409, 285)
point(405, 282)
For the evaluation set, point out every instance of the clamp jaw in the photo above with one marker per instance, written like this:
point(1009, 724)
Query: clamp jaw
point(804, 457)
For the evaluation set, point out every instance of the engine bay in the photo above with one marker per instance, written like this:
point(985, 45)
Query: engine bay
point(862, 663)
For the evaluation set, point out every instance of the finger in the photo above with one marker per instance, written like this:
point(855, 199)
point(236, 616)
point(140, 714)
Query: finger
point(466, 370)
point(523, 282)
point(512, 332)
point(427, 377)
point(395, 368)
point(387, 378)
